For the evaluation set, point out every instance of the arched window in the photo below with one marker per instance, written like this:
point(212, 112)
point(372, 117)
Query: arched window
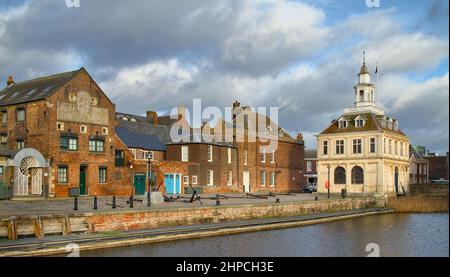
point(357, 175)
point(339, 175)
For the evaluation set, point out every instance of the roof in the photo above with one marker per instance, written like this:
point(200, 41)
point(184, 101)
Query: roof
point(197, 138)
point(372, 124)
point(140, 140)
point(35, 89)
point(310, 154)
point(162, 120)
point(8, 152)
point(141, 127)
point(364, 69)
point(413, 152)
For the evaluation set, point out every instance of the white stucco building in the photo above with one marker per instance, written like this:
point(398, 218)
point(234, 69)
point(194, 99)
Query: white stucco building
point(363, 150)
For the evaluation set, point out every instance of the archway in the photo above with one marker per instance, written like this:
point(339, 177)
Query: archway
point(357, 175)
point(28, 172)
point(339, 175)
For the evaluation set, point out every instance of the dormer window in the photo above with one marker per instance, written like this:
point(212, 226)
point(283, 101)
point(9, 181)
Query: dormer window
point(342, 123)
point(359, 121)
point(395, 125)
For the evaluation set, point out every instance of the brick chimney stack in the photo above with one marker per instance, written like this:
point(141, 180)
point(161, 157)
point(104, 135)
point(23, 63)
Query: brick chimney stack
point(10, 81)
point(152, 117)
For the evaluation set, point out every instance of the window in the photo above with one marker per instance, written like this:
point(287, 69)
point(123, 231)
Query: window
point(396, 148)
point(230, 178)
point(210, 153)
point(263, 178)
point(102, 174)
point(342, 123)
point(272, 178)
point(62, 174)
point(20, 115)
point(245, 157)
point(104, 131)
point(401, 149)
point(385, 146)
point(357, 175)
point(263, 155)
point(339, 175)
point(60, 126)
point(194, 180)
point(186, 179)
point(372, 145)
point(309, 166)
point(229, 155)
point(390, 146)
point(4, 138)
point(272, 157)
point(325, 147)
point(184, 153)
point(4, 117)
point(119, 158)
point(339, 147)
point(68, 143)
point(96, 145)
point(20, 144)
point(83, 129)
point(357, 149)
point(359, 122)
point(210, 178)
point(2, 169)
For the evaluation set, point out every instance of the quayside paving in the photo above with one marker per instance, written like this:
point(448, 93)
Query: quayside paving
point(56, 245)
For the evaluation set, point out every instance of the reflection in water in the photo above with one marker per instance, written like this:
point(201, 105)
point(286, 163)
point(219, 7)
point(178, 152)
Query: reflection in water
point(396, 234)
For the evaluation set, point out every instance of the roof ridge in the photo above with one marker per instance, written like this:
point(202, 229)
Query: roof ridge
point(45, 77)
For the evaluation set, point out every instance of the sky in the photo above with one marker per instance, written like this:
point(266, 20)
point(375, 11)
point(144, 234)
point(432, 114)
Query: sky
point(300, 56)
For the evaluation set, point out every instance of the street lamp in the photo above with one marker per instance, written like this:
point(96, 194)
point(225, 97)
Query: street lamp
point(328, 166)
point(149, 156)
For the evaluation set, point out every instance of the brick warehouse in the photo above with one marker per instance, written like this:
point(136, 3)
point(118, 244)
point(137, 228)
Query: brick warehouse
point(61, 135)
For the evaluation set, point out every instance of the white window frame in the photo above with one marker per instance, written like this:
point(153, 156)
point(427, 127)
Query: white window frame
point(229, 155)
point(309, 166)
point(272, 157)
point(263, 155)
point(185, 179)
point(230, 178)
point(210, 178)
point(185, 153)
point(340, 144)
point(273, 178)
point(357, 146)
point(210, 153)
point(245, 157)
point(263, 178)
point(194, 179)
point(373, 141)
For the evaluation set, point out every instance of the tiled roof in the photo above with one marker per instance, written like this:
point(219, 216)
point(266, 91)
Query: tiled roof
point(371, 124)
point(143, 127)
point(35, 89)
point(140, 140)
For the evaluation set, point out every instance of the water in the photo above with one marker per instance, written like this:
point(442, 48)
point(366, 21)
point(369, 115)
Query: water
point(396, 235)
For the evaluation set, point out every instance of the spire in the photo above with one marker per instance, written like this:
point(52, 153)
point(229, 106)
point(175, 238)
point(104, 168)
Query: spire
point(364, 69)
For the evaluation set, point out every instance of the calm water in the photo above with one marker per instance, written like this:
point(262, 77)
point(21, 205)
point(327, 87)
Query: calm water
point(396, 234)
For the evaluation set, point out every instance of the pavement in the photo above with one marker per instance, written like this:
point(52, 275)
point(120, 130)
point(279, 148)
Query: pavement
point(104, 204)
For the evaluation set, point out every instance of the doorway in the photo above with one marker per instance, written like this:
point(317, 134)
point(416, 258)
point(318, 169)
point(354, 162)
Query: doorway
point(246, 181)
point(139, 184)
point(83, 174)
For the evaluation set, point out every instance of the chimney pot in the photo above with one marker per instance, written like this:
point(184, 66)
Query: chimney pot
point(10, 81)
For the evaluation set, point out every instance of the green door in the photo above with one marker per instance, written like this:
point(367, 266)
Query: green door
point(83, 180)
point(139, 184)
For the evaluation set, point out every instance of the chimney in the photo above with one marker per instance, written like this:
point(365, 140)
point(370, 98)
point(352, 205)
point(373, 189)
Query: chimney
point(236, 109)
point(299, 137)
point(181, 112)
point(10, 81)
point(152, 117)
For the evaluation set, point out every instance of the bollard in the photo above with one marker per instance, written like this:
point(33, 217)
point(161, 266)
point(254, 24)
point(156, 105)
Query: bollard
point(217, 202)
point(131, 201)
point(95, 202)
point(114, 202)
point(148, 200)
point(75, 204)
point(277, 200)
point(316, 198)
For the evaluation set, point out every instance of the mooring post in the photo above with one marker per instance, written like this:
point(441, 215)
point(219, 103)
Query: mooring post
point(95, 202)
point(12, 228)
point(217, 202)
point(149, 204)
point(114, 202)
point(131, 201)
point(277, 200)
point(316, 198)
point(75, 204)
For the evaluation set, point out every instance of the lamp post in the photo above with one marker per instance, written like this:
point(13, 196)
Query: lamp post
point(149, 156)
point(328, 166)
